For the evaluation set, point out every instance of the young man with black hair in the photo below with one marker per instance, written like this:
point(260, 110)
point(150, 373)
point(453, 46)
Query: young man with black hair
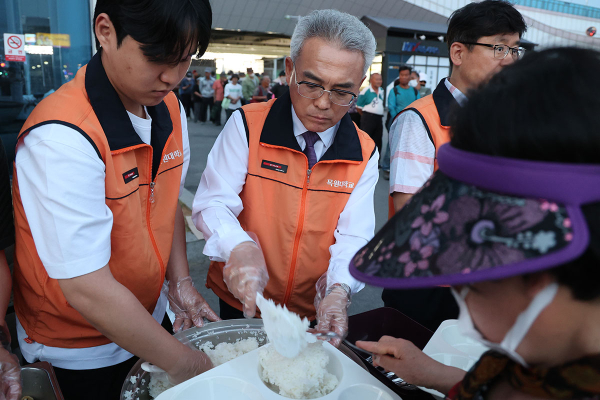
point(98, 170)
point(482, 39)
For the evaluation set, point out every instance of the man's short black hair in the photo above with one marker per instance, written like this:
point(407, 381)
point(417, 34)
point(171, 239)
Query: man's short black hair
point(166, 29)
point(235, 76)
point(532, 121)
point(404, 68)
point(486, 18)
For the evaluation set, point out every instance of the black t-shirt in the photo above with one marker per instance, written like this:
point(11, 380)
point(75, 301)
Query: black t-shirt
point(7, 228)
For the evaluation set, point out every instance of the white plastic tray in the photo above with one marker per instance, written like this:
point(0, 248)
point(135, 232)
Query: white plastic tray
point(239, 379)
point(450, 347)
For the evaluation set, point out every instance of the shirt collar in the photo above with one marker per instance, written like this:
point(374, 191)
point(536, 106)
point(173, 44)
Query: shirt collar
point(459, 96)
point(326, 136)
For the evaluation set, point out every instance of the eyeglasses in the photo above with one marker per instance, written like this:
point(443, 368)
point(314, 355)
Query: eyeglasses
point(313, 91)
point(502, 50)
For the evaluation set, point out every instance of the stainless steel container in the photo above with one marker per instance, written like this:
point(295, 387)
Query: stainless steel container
point(216, 332)
point(39, 382)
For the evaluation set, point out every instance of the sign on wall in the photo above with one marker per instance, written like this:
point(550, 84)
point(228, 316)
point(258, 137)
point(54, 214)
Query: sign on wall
point(14, 47)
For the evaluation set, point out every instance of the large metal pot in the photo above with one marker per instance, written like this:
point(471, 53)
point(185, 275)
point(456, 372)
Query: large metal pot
point(216, 332)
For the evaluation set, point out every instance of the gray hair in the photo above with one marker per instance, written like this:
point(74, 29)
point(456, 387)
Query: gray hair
point(337, 27)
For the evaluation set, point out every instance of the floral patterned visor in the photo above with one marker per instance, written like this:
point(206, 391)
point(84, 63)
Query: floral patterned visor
point(482, 218)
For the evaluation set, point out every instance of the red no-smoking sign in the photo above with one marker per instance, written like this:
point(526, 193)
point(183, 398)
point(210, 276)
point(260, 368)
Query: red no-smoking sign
point(14, 48)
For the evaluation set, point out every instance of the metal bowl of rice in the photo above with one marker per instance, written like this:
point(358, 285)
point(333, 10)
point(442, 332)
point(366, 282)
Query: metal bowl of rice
point(136, 384)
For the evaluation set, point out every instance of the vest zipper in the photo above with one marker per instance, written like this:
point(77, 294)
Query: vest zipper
point(148, 209)
point(288, 291)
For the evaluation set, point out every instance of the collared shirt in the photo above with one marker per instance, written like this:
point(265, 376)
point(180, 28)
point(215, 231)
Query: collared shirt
point(371, 102)
point(413, 154)
point(217, 202)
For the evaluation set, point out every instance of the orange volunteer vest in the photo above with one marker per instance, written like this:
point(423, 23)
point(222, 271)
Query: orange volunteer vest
point(293, 211)
point(434, 112)
point(142, 190)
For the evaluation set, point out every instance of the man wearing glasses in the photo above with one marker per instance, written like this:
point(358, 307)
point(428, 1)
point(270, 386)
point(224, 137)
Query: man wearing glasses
point(299, 175)
point(482, 39)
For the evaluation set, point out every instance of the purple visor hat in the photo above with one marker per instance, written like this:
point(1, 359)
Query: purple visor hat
point(482, 218)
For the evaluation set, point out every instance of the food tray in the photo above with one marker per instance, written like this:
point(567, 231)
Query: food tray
point(240, 379)
point(39, 382)
point(216, 332)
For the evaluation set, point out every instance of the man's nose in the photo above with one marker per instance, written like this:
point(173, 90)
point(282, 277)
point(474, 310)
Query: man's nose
point(170, 76)
point(323, 102)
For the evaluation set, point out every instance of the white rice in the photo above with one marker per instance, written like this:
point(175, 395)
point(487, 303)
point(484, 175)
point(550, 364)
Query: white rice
point(302, 377)
point(219, 354)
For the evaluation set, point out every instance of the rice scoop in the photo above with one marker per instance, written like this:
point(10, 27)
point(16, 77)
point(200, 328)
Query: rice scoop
point(285, 329)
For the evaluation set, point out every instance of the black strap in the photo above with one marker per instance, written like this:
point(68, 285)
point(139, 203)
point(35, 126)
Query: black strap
point(241, 110)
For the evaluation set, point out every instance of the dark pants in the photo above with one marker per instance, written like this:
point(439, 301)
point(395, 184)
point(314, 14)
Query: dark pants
point(228, 113)
point(205, 103)
point(197, 110)
point(429, 307)
point(215, 115)
point(98, 384)
point(228, 312)
point(372, 124)
point(186, 102)
point(355, 117)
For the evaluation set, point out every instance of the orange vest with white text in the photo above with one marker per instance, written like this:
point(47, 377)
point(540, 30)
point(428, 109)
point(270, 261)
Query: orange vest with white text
point(434, 111)
point(293, 211)
point(141, 189)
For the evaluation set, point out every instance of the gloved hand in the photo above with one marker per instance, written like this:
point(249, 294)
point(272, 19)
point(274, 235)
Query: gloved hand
point(188, 305)
point(245, 274)
point(194, 363)
point(10, 371)
point(332, 305)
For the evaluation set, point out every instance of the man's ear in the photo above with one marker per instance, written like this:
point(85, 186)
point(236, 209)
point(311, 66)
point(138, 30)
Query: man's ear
point(289, 67)
point(457, 53)
point(105, 31)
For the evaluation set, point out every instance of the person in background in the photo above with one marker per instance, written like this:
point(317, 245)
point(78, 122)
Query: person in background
point(515, 216)
point(99, 168)
point(207, 92)
point(298, 174)
point(196, 101)
point(370, 107)
point(280, 87)
point(233, 92)
point(249, 85)
point(424, 126)
point(10, 371)
point(186, 88)
point(229, 75)
point(400, 96)
point(242, 77)
point(195, 75)
point(219, 88)
point(354, 114)
point(423, 91)
point(415, 80)
point(263, 93)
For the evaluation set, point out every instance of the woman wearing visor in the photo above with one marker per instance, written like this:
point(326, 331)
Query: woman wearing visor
point(511, 221)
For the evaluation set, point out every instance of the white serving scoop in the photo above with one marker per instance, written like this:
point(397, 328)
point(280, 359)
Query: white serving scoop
point(285, 329)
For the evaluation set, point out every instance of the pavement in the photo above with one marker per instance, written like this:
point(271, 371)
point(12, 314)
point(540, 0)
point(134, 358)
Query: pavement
point(202, 138)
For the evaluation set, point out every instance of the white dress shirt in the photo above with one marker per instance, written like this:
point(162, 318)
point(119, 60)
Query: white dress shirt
point(413, 154)
point(217, 202)
point(62, 186)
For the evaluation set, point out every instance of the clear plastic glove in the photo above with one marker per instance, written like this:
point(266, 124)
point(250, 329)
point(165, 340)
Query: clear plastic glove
point(10, 371)
point(194, 363)
point(188, 305)
point(245, 274)
point(332, 305)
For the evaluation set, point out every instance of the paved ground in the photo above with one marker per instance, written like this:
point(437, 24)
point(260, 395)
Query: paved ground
point(202, 137)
